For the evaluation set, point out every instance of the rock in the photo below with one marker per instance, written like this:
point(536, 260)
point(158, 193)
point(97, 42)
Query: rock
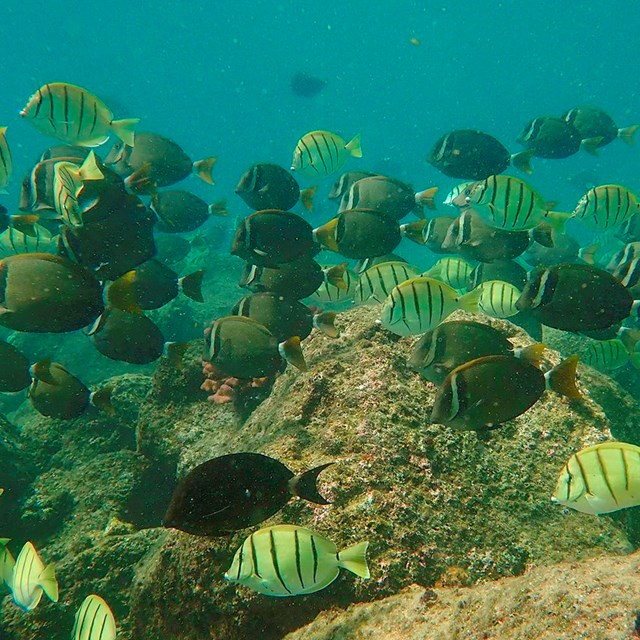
point(594, 599)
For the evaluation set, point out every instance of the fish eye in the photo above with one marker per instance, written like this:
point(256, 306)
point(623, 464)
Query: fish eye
point(566, 511)
point(467, 199)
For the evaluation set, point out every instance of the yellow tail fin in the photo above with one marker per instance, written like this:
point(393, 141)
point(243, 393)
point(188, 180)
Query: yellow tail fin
point(125, 130)
point(354, 559)
point(353, 147)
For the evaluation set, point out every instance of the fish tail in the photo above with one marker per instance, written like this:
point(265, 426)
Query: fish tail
point(470, 301)
point(191, 285)
point(562, 378)
point(89, 170)
point(306, 197)
point(353, 146)
point(324, 322)
point(304, 485)
point(101, 400)
point(556, 220)
point(291, 351)
point(531, 354)
point(591, 145)
point(522, 161)
point(588, 254)
point(218, 208)
point(121, 293)
point(203, 168)
point(335, 276)
point(325, 235)
point(627, 133)
point(413, 231)
point(427, 198)
point(47, 580)
point(543, 235)
point(125, 129)
point(354, 559)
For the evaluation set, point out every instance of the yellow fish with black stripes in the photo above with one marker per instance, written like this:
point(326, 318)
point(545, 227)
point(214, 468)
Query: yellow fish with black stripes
point(600, 479)
point(73, 115)
point(377, 282)
point(94, 620)
point(6, 165)
point(498, 298)
point(606, 206)
point(30, 579)
point(286, 560)
point(320, 153)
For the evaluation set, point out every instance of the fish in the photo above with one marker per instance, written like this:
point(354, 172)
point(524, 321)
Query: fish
point(7, 561)
point(366, 263)
point(607, 355)
point(592, 122)
point(469, 154)
point(606, 206)
point(600, 479)
point(506, 270)
point(40, 292)
point(286, 560)
point(285, 317)
point(152, 285)
point(455, 192)
point(377, 282)
point(171, 248)
point(330, 294)
point(14, 373)
point(39, 240)
point(151, 161)
point(421, 304)
point(486, 392)
point(629, 231)
point(268, 186)
point(454, 342)
point(243, 348)
point(434, 233)
point(453, 271)
point(498, 298)
point(75, 116)
point(387, 195)
point(307, 86)
point(30, 579)
point(6, 164)
point(296, 279)
point(342, 185)
point(575, 297)
point(180, 211)
point(272, 237)
point(236, 491)
point(320, 153)
point(127, 337)
point(94, 620)
point(56, 393)
point(359, 233)
point(553, 137)
point(509, 203)
point(565, 249)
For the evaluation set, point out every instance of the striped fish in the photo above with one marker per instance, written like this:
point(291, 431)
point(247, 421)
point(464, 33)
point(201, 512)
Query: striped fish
point(286, 560)
point(452, 271)
point(606, 354)
point(68, 180)
point(455, 192)
point(13, 241)
point(505, 202)
point(75, 116)
point(377, 282)
point(321, 153)
point(421, 304)
point(6, 166)
point(94, 620)
point(498, 299)
point(329, 293)
point(6, 562)
point(606, 206)
point(600, 479)
point(30, 579)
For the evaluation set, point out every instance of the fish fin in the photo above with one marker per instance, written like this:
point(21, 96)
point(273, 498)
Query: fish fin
point(41, 370)
point(470, 301)
point(306, 197)
point(427, 197)
point(25, 223)
point(174, 352)
point(218, 208)
point(324, 323)
point(304, 485)
point(101, 400)
point(125, 130)
point(47, 580)
point(325, 235)
point(335, 276)
point(588, 254)
point(543, 234)
point(121, 293)
point(140, 181)
point(522, 161)
point(413, 231)
point(556, 220)
point(291, 351)
point(627, 133)
point(562, 378)
point(531, 354)
point(191, 285)
point(89, 170)
point(354, 559)
point(591, 145)
point(203, 168)
point(353, 146)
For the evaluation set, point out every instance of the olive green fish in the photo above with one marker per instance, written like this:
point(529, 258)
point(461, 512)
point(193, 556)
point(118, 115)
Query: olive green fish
point(606, 206)
point(453, 271)
point(498, 299)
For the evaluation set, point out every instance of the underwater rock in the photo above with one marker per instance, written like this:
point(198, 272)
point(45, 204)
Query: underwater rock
point(595, 599)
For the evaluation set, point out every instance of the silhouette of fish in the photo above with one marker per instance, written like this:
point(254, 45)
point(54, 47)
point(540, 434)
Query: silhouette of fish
point(302, 84)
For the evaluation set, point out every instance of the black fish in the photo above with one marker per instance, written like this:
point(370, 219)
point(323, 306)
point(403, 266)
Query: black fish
point(236, 491)
point(268, 186)
point(592, 122)
point(552, 137)
point(306, 86)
